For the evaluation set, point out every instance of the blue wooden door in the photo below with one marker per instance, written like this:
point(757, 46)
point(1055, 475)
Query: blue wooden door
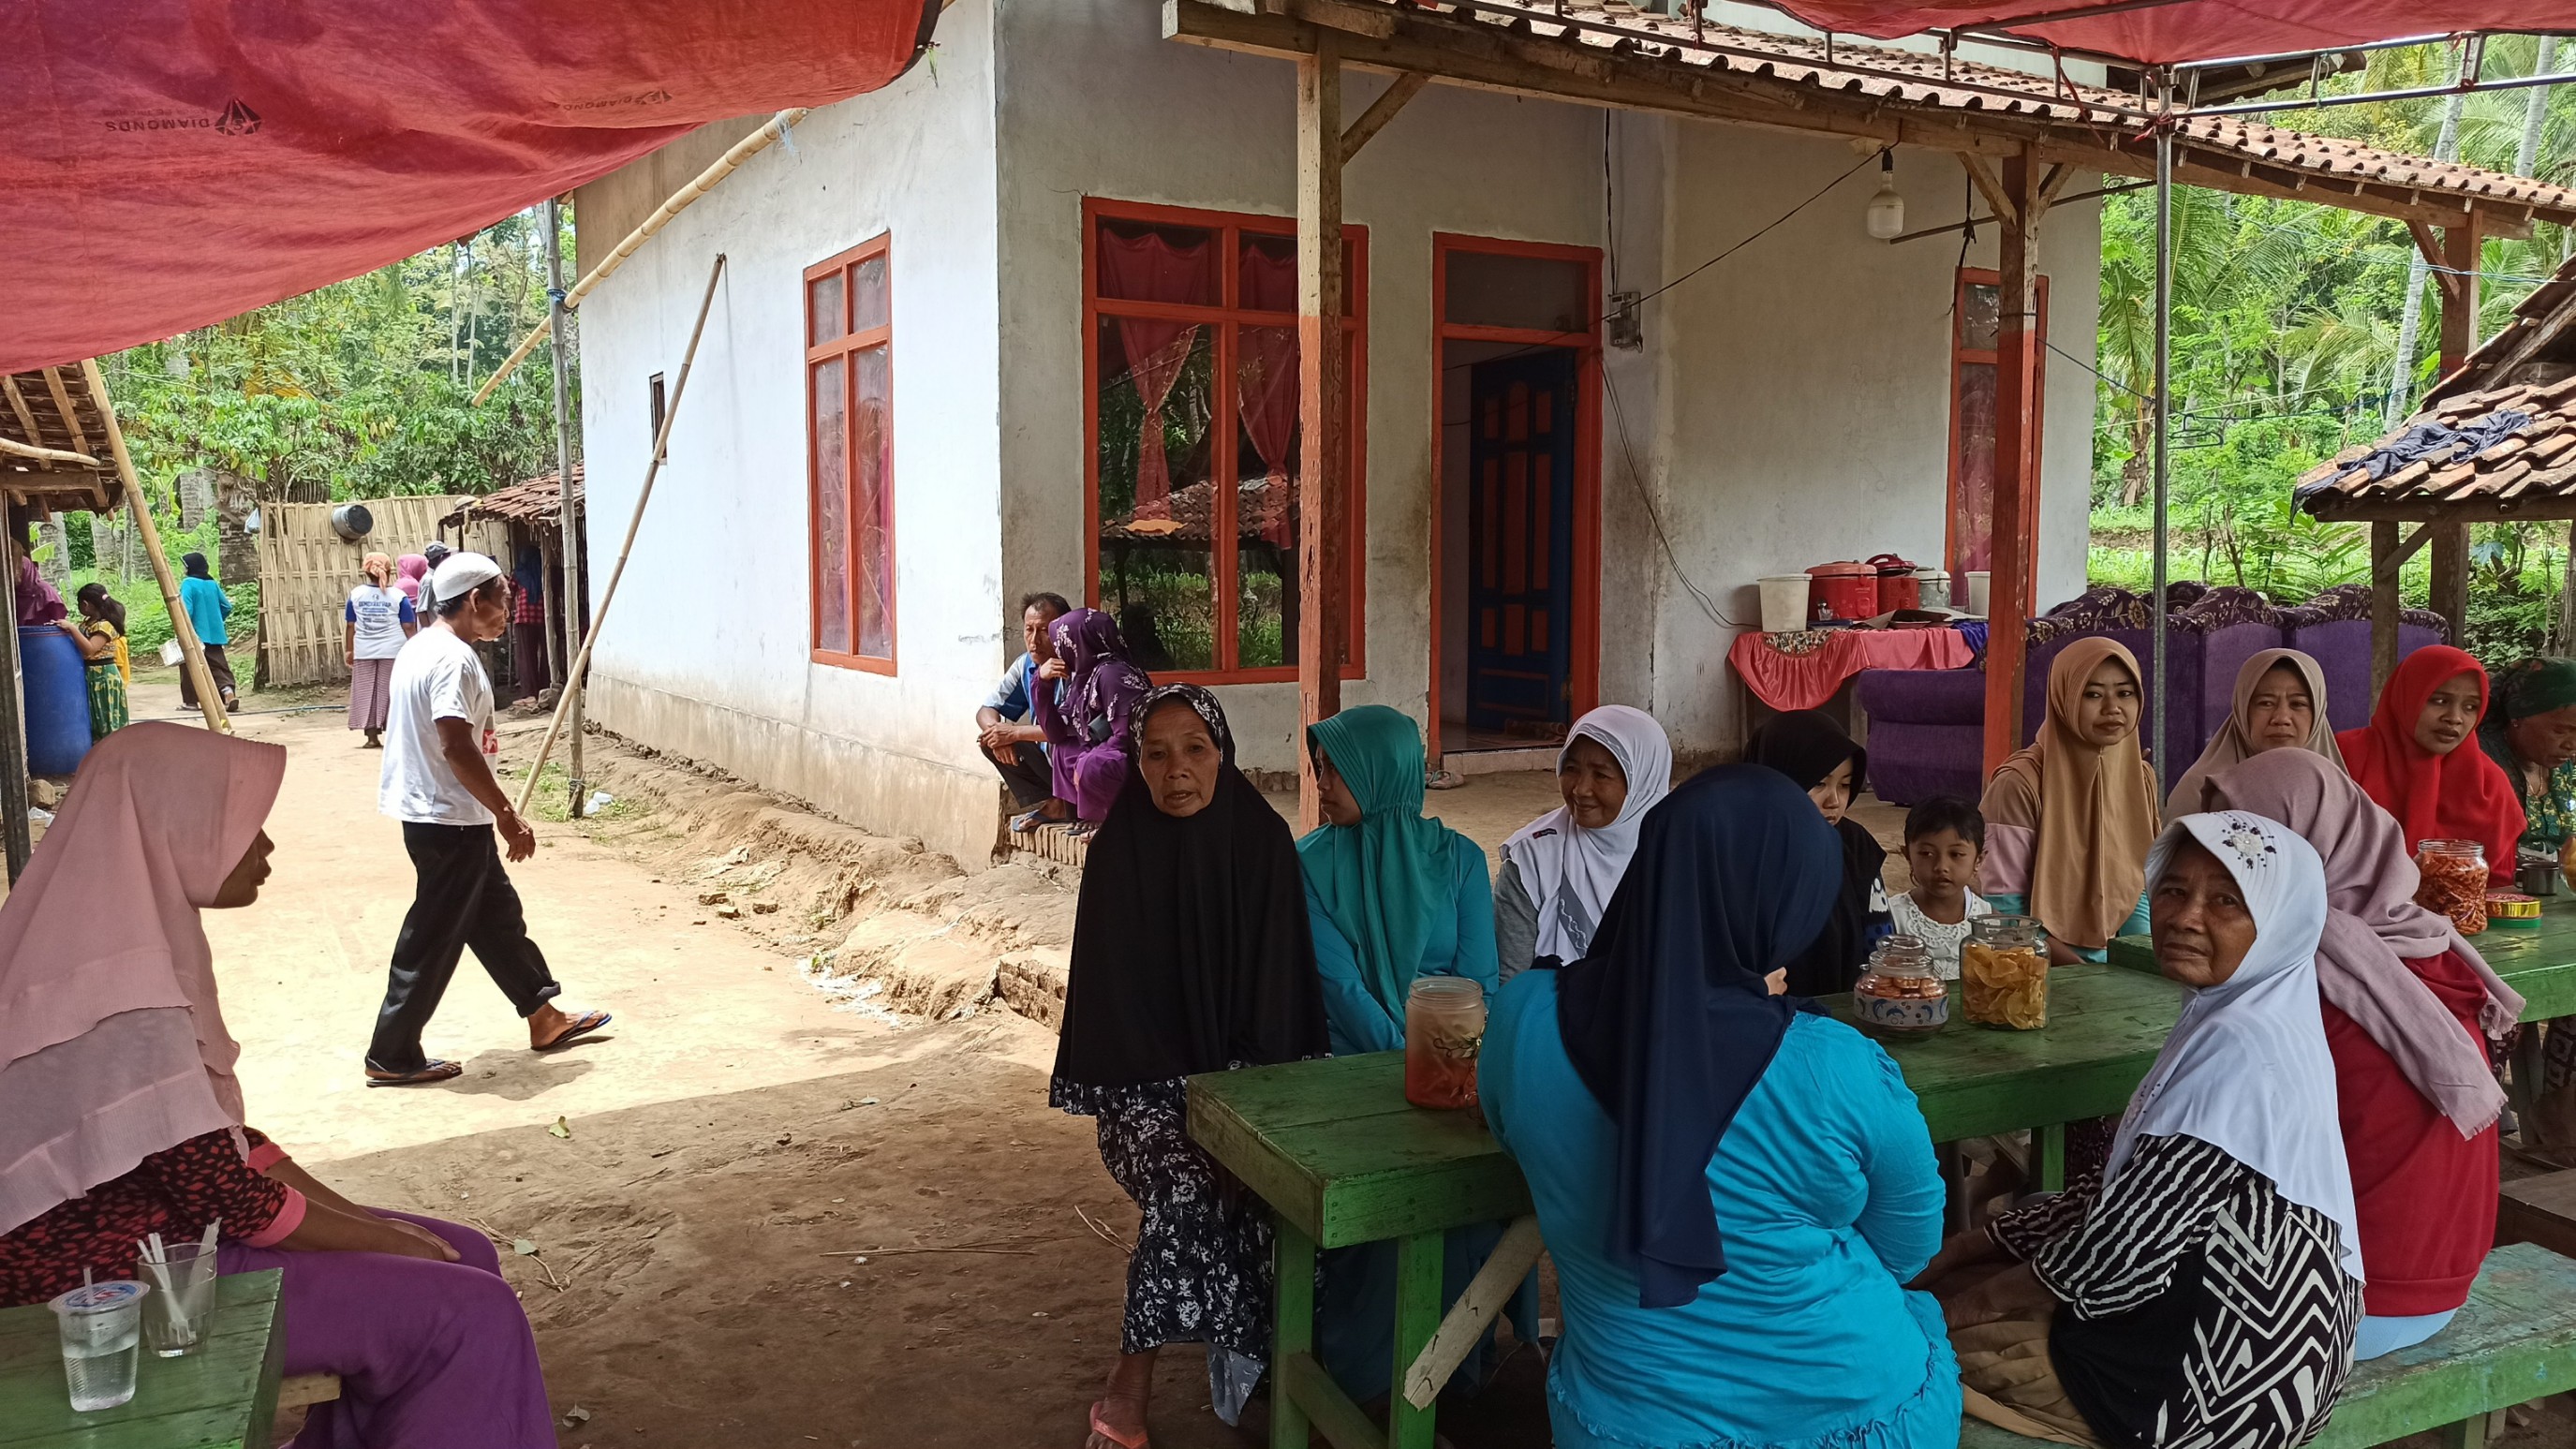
point(1520, 521)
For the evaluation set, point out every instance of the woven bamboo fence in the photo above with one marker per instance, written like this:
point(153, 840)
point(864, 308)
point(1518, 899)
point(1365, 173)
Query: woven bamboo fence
point(306, 572)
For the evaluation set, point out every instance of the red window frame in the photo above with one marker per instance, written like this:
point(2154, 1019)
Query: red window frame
point(2035, 400)
point(1229, 227)
point(846, 346)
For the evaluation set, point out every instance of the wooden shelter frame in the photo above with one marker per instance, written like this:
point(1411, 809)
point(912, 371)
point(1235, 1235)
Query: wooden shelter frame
point(2020, 154)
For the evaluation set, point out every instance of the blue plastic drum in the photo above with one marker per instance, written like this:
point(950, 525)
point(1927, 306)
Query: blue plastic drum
point(57, 701)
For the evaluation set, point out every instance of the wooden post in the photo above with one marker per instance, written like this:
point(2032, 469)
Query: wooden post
point(1324, 450)
point(2459, 294)
point(551, 624)
point(2384, 562)
point(192, 653)
point(2010, 558)
point(2451, 576)
point(16, 834)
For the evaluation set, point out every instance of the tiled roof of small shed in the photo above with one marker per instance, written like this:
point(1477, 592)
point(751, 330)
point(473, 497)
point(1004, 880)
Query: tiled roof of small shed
point(51, 409)
point(2511, 474)
point(539, 500)
point(1613, 30)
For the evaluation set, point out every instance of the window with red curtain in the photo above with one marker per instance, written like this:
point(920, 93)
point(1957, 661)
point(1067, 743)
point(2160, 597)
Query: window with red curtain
point(849, 409)
point(1191, 406)
point(1974, 325)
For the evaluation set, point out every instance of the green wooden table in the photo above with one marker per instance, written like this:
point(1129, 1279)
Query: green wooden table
point(223, 1396)
point(1342, 1158)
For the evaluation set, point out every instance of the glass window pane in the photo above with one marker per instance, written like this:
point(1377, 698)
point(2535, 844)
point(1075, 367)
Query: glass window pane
point(1157, 560)
point(872, 502)
point(826, 315)
point(1141, 263)
point(1492, 290)
point(868, 294)
point(828, 383)
point(1972, 494)
point(1978, 328)
point(1266, 273)
point(1265, 509)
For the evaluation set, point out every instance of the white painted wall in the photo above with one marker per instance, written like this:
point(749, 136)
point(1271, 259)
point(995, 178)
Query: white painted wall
point(707, 652)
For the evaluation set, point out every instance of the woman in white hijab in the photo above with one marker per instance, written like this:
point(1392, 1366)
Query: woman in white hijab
point(2205, 1287)
point(1559, 870)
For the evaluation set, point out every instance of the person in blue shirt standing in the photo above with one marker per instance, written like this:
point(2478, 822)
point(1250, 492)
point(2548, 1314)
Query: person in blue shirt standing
point(1004, 725)
point(206, 605)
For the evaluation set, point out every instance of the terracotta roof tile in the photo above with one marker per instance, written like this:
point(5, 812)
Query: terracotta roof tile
point(539, 500)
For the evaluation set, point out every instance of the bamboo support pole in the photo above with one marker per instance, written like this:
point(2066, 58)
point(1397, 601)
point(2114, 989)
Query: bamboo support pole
point(46, 455)
point(192, 653)
point(681, 200)
point(1492, 1287)
point(570, 686)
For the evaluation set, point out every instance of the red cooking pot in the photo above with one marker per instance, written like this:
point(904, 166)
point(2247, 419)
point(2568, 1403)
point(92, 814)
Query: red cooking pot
point(1898, 588)
point(1845, 590)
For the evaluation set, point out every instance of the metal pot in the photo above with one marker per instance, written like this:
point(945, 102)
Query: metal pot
point(352, 522)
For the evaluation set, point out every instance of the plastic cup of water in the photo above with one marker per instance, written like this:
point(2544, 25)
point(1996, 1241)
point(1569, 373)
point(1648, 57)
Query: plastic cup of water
point(101, 1324)
point(180, 1311)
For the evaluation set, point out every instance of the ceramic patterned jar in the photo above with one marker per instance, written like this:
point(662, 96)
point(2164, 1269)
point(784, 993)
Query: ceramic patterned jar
point(1901, 994)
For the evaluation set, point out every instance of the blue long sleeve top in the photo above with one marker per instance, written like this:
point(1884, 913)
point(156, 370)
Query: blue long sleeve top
point(1460, 943)
point(1829, 1201)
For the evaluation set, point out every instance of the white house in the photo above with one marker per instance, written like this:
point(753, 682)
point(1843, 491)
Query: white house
point(951, 306)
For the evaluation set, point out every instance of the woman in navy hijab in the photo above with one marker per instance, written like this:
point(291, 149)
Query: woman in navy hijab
point(1734, 1187)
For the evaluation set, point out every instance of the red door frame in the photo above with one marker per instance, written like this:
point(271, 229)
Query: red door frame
point(1586, 666)
point(2034, 411)
point(1227, 225)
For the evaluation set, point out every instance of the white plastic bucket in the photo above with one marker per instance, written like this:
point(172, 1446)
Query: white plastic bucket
point(1784, 603)
point(1977, 580)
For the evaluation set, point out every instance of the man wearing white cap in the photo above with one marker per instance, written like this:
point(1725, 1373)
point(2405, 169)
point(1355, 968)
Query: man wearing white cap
point(438, 782)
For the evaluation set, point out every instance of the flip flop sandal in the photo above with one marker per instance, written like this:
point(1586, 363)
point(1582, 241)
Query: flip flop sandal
point(590, 1021)
point(421, 1076)
point(1029, 823)
point(1101, 1427)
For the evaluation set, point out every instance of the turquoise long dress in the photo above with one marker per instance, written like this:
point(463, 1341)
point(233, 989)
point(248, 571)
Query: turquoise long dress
point(1829, 1201)
point(1355, 1311)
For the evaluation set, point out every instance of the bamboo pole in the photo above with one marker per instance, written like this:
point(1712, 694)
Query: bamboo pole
point(192, 653)
point(681, 200)
point(568, 505)
point(570, 686)
point(47, 455)
point(17, 828)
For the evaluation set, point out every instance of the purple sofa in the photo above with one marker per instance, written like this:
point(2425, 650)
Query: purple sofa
point(2334, 629)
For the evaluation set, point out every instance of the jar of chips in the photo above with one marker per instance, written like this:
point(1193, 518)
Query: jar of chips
point(2454, 883)
point(1902, 993)
point(2003, 973)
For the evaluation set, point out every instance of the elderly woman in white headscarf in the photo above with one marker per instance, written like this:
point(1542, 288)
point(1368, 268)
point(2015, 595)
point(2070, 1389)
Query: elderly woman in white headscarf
point(2204, 1287)
point(1559, 870)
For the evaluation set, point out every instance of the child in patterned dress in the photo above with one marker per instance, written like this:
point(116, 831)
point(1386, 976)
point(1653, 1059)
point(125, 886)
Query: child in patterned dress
point(1945, 838)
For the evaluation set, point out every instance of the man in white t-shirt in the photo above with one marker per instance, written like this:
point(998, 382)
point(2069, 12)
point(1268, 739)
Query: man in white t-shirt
point(438, 782)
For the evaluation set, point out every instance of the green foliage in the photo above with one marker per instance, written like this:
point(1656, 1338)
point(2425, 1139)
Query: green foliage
point(361, 389)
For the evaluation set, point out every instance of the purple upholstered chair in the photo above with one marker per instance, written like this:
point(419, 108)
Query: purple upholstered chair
point(1927, 732)
point(2334, 629)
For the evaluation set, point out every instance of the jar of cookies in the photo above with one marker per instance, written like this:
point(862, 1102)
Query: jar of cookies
point(1902, 993)
point(2454, 883)
point(2003, 973)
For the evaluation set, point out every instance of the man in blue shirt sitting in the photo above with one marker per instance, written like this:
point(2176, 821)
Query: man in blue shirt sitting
point(206, 605)
point(1010, 739)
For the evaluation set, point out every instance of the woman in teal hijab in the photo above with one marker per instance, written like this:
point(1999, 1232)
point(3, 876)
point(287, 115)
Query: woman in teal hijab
point(2530, 730)
point(1392, 896)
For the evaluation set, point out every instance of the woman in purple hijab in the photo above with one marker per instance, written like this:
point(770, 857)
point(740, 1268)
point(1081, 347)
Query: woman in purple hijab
point(1087, 728)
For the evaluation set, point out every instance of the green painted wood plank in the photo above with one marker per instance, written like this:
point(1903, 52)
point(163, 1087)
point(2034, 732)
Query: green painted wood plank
point(1417, 1316)
point(2514, 1342)
point(1292, 1334)
point(1336, 1417)
point(221, 1397)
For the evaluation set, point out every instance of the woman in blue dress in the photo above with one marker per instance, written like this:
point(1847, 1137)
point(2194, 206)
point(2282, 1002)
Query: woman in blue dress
point(1391, 896)
point(1734, 1187)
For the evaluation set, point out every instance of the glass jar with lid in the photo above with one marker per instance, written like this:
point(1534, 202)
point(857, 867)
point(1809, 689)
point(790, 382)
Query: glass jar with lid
point(2003, 973)
point(2454, 882)
point(1444, 1032)
point(1901, 994)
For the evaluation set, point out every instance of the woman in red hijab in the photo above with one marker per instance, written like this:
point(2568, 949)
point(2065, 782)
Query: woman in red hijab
point(2409, 758)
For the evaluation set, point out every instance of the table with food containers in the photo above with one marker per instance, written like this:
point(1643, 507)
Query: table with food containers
point(1807, 647)
point(1341, 1156)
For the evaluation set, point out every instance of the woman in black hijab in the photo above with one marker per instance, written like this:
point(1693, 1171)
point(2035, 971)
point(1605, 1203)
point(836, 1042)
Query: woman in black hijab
point(1820, 759)
point(1191, 954)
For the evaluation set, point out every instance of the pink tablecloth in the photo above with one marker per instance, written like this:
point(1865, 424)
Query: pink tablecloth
point(1802, 670)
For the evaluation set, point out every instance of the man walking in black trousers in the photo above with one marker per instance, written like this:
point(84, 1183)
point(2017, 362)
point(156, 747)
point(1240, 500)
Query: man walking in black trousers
point(438, 782)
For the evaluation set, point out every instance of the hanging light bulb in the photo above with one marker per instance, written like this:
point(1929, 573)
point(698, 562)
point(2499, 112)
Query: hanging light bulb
point(1887, 208)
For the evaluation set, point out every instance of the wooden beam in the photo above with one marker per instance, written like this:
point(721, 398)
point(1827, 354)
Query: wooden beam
point(2466, 510)
point(2058, 175)
point(1322, 535)
point(1376, 22)
point(63, 400)
point(2429, 242)
point(2451, 574)
point(26, 414)
point(17, 449)
point(2458, 269)
point(1991, 187)
point(1381, 111)
point(2387, 556)
point(2016, 467)
point(192, 653)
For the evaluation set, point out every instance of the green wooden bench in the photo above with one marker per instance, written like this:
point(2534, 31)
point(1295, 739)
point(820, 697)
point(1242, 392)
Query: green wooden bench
point(2513, 1343)
point(224, 1396)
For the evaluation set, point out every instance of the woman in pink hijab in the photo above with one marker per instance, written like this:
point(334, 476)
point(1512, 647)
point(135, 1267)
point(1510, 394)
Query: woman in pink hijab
point(125, 1118)
point(409, 572)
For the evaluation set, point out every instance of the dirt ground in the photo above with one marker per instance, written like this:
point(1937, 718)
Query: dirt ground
point(764, 1209)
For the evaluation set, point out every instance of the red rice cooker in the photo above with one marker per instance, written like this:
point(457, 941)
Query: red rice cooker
point(1898, 588)
point(1845, 590)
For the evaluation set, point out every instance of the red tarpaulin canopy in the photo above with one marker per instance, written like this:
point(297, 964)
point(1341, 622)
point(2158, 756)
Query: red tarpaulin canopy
point(2180, 30)
point(174, 162)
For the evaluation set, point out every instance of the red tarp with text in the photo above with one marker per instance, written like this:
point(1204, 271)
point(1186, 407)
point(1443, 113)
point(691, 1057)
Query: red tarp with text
point(171, 163)
point(2189, 29)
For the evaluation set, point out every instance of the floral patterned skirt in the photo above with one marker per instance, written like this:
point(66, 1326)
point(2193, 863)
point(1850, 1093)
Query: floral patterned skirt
point(1201, 1269)
point(106, 700)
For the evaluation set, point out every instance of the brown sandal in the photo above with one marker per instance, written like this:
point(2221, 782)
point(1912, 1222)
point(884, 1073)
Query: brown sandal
point(427, 1072)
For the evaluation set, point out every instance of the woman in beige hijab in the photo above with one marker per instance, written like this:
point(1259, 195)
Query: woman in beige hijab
point(2280, 704)
point(2070, 816)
